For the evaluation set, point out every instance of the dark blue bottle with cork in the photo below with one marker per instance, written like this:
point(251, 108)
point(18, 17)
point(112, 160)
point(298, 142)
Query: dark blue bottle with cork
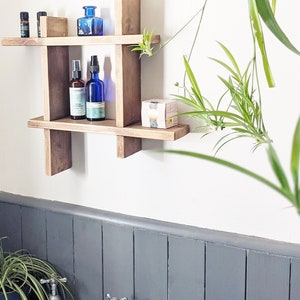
point(95, 104)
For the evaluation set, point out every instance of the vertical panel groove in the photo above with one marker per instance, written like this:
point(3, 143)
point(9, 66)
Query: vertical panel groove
point(290, 275)
point(246, 271)
point(168, 265)
point(102, 259)
point(133, 262)
point(205, 266)
point(21, 217)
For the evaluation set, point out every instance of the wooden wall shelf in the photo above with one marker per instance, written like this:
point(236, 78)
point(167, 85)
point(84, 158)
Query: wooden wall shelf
point(78, 41)
point(56, 122)
point(109, 127)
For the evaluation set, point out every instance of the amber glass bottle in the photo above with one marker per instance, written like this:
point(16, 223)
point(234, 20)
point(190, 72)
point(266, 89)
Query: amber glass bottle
point(77, 92)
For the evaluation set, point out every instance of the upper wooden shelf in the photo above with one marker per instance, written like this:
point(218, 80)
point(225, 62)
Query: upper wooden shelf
point(78, 40)
point(109, 127)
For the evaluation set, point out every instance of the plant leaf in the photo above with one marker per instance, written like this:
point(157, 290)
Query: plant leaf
point(235, 167)
point(277, 168)
point(295, 159)
point(265, 11)
point(254, 16)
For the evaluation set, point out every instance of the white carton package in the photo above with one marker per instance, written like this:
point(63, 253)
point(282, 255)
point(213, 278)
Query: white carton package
point(159, 113)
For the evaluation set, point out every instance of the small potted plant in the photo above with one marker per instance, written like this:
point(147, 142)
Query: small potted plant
point(21, 274)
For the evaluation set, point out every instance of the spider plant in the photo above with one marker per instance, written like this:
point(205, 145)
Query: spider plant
point(241, 114)
point(20, 270)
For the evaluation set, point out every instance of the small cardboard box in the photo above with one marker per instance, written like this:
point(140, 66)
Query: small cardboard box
point(159, 113)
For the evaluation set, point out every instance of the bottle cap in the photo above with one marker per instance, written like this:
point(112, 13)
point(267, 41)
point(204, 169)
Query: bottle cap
point(94, 66)
point(89, 11)
point(24, 15)
point(40, 13)
point(76, 69)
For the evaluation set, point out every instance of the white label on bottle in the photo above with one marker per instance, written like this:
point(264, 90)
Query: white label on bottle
point(77, 101)
point(95, 110)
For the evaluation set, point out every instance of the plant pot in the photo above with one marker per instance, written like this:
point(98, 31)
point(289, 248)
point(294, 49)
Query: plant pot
point(15, 295)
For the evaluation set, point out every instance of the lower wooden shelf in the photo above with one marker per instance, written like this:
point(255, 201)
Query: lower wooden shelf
point(109, 127)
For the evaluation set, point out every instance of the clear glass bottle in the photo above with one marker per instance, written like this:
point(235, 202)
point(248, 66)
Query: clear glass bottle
point(77, 92)
point(38, 15)
point(89, 25)
point(24, 24)
point(95, 104)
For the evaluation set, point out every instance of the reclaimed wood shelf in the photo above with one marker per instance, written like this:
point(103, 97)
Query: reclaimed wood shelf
point(131, 39)
point(56, 122)
point(109, 127)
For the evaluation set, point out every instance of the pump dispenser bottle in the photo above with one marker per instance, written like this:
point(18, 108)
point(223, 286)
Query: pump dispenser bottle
point(77, 92)
point(95, 105)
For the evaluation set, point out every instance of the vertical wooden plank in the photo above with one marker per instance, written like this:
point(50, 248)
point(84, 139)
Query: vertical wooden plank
point(267, 276)
point(186, 269)
point(88, 258)
point(128, 75)
point(128, 89)
point(10, 226)
point(60, 243)
point(118, 261)
point(34, 231)
point(127, 146)
point(55, 60)
point(225, 272)
point(151, 265)
point(58, 151)
point(55, 72)
point(295, 279)
point(127, 17)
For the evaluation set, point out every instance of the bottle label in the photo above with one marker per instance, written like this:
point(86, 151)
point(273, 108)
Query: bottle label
point(25, 29)
point(95, 110)
point(77, 101)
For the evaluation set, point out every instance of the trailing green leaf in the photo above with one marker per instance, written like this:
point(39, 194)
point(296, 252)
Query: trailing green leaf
point(277, 168)
point(238, 168)
point(267, 14)
point(258, 33)
point(295, 160)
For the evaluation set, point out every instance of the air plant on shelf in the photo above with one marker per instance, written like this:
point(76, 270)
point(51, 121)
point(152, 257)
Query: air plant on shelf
point(238, 112)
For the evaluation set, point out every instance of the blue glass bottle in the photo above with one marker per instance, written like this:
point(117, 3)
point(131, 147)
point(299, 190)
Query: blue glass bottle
point(89, 25)
point(95, 104)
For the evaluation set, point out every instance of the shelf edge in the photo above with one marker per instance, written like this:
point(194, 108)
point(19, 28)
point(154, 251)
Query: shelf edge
point(77, 41)
point(108, 127)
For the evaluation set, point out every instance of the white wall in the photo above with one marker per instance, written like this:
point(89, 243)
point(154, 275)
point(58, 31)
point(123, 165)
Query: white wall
point(148, 184)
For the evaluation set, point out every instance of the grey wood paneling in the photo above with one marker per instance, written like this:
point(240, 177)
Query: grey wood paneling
point(145, 259)
point(295, 279)
point(118, 261)
point(34, 231)
point(151, 265)
point(88, 258)
point(186, 269)
point(10, 227)
point(267, 276)
point(225, 272)
point(60, 243)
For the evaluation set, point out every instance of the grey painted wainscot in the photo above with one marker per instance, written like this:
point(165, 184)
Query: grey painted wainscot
point(102, 252)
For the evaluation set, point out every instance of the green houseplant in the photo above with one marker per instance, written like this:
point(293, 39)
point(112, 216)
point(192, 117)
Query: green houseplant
point(238, 112)
point(20, 275)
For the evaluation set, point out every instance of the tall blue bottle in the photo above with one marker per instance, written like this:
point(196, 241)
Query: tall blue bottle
point(95, 104)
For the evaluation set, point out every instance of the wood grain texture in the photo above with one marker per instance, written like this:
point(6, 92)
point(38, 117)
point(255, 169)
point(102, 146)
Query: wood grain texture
point(53, 26)
point(58, 152)
point(130, 39)
point(109, 127)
